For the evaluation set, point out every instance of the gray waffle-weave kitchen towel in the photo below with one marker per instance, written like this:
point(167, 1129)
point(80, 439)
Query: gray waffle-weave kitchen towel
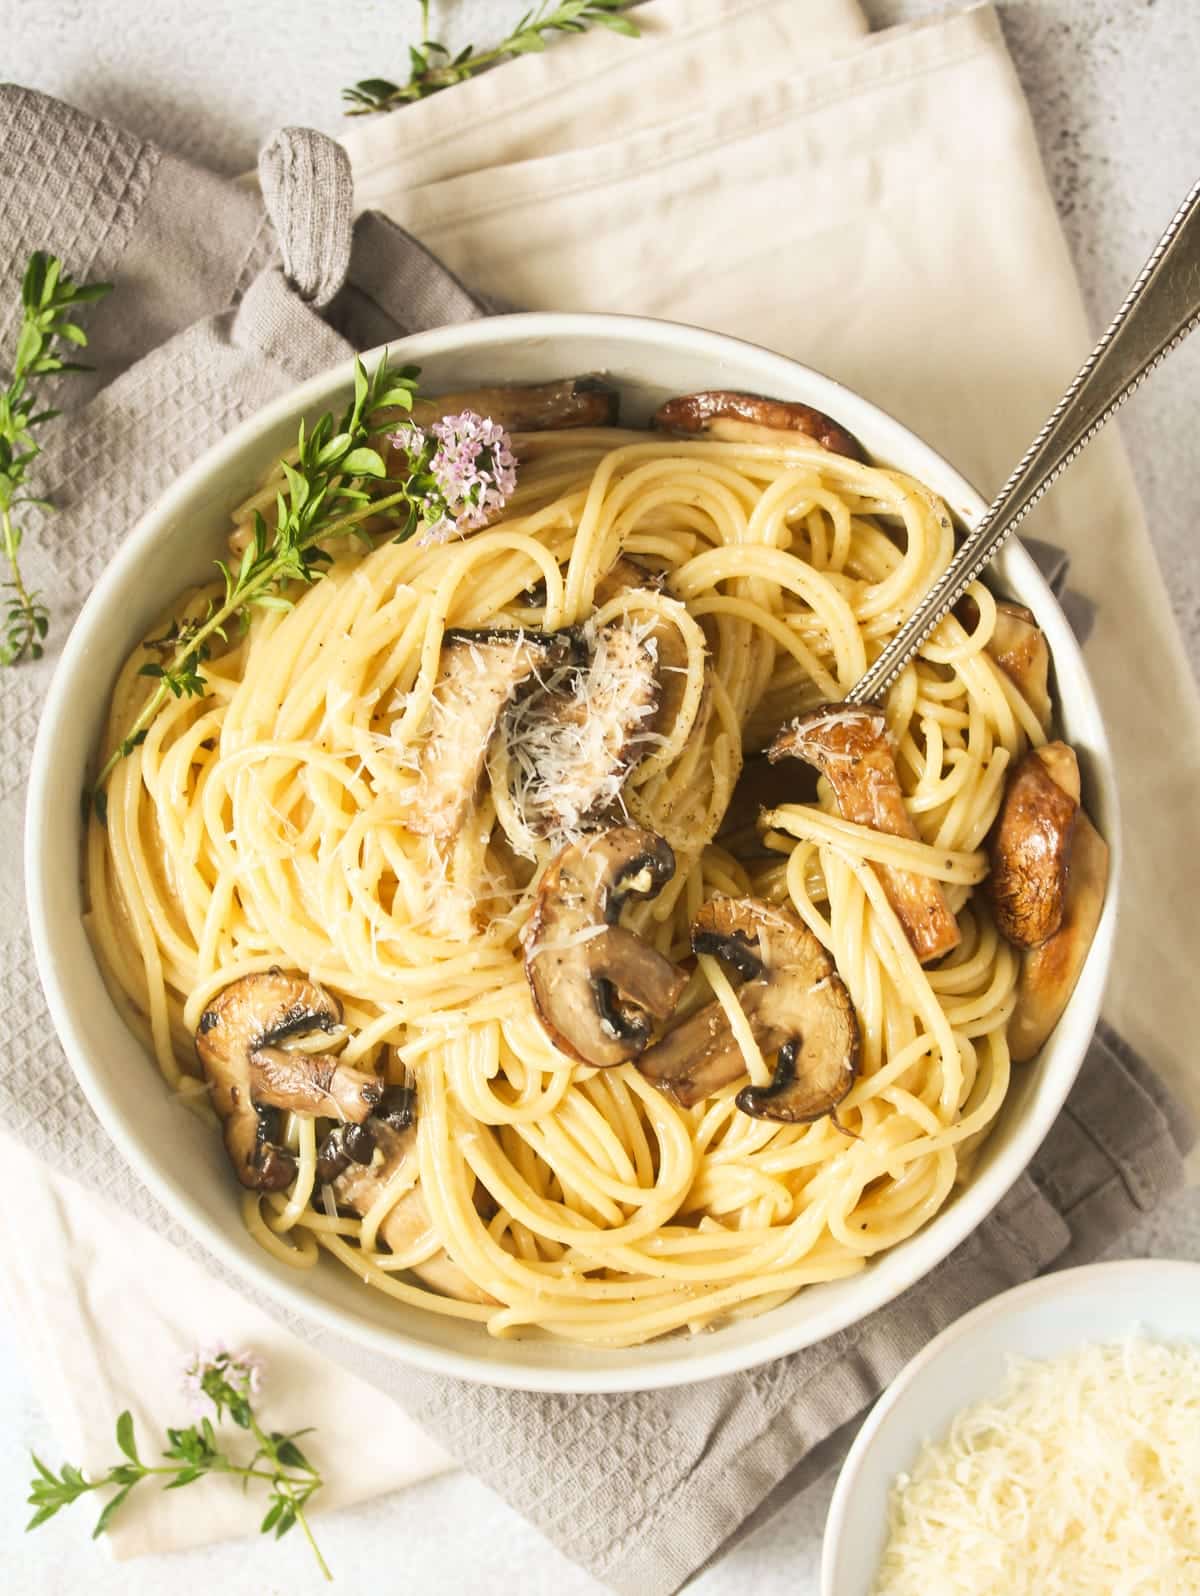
point(219, 305)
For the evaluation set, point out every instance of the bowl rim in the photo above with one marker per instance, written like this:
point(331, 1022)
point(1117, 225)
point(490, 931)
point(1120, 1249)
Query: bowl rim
point(928, 1247)
point(1123, 1277)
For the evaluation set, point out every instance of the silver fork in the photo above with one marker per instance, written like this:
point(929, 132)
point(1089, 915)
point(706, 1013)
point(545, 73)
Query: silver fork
point(1160, 310)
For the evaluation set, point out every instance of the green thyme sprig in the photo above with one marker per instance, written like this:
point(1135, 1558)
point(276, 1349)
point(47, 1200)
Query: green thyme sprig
point(323, 497)
point(228, 1382)
point(46, 335)
point(432, 66)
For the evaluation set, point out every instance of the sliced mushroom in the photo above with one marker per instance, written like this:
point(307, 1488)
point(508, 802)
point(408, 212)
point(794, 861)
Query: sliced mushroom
point(535, 407)
point(596, 987)
point(795, 1003)
point(1031, 844)
point(250, 1074)
point(1018, 645)
point(612, 714)
point(480, 673)
point(571, 744)
point(849, 745)
point(358, 1186)
point(724, 413)
point(1049, 972)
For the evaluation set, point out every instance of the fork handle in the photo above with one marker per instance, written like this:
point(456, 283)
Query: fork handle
point(1160, 310)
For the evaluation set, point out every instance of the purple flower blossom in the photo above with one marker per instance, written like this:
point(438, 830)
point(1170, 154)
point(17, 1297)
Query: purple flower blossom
point(439, 531)
point(464, 470)
point(474, 467)
point(214, 1367)
point(411, 439)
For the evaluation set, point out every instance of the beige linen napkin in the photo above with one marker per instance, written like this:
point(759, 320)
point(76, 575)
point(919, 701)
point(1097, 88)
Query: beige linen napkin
point(876, 208)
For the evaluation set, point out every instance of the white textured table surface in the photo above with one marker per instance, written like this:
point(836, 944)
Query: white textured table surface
point(1107, 80)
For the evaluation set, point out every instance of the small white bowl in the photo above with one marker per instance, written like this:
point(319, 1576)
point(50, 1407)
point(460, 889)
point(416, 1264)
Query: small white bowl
point(1047, 1318)
point(182, 1161)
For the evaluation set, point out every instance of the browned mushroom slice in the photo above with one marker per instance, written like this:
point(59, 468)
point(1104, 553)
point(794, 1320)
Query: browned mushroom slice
point(480, 673)
point(795, 1002)
point(596, 987)
point(407, 1224)
point(534, 407)
point(726, 413)
point(1049, 972)
point(1031, 844)
point(849, 745)
point(250, 1075)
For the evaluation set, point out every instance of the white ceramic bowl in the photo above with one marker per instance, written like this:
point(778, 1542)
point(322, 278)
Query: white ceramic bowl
point(1047, 1318)
point(182, 1162)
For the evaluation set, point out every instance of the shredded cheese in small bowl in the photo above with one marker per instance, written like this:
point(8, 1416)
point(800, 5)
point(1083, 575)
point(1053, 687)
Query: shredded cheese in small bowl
point(1080, 1478)
point(1045, 1444)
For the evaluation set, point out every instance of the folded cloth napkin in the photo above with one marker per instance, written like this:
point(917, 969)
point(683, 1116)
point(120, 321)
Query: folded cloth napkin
point(829, 204)
point(107, 1314)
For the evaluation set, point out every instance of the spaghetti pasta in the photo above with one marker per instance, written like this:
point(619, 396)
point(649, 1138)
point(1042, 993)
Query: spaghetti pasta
point(266, 825)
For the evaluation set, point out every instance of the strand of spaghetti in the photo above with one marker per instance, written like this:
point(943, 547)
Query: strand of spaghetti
point(809, 824)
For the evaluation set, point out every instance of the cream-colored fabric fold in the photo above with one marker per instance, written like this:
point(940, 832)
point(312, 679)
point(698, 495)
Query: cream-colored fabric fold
point(883, 216)
point(108, 1313)
point(690, 53)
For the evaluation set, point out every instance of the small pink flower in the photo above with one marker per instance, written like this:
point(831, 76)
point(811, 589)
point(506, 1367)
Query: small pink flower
point(474, 467)
point(410, 438)
point(463, 471)
point(249, 1367)
point(439, 531)
point(242, 1372)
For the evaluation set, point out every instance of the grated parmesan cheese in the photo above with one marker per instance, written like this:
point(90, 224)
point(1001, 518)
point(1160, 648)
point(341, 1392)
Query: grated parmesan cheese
point(1081, 1479)
point(571, 745)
